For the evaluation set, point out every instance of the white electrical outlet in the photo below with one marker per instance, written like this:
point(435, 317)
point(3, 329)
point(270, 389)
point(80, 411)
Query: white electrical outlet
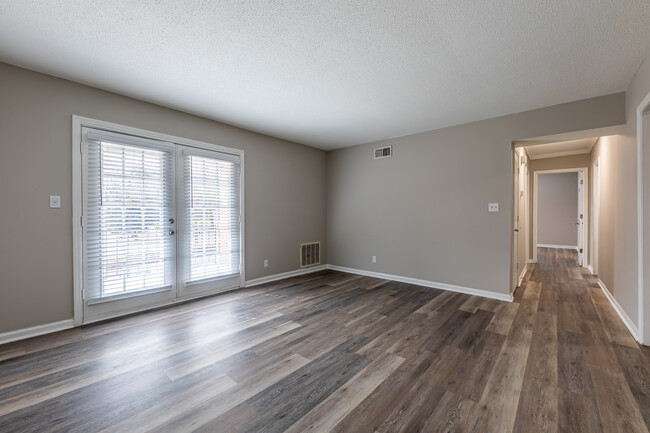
point(493, 207)
point(374, 259)
point(55, 202)
point(266, 263)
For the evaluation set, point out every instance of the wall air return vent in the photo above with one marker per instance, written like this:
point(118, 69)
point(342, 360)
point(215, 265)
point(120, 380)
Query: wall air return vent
point(383, 152)
point(309, 254)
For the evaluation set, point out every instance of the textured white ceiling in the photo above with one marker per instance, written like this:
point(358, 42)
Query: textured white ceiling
point(335, 73)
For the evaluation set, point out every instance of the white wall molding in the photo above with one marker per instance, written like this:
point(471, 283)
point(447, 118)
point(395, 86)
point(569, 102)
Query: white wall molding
point(567, 247)
point(523, 274)
point(442, 286)
point(590, 269)
point(283, 275)
point(639, 210)
point(621, 313)
point(21, 334)
point(35, 331)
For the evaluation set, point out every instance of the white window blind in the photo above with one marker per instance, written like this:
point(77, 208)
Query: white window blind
point(129, 247)
point(211, 216)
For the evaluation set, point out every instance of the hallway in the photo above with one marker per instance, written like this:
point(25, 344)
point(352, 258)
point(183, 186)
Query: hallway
point(583, 362)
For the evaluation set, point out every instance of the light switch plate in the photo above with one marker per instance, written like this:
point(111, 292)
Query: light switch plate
point(493, 207)
point(55, 201)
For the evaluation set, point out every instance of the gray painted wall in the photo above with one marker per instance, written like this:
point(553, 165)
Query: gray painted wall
point(618, 234)
point(423, 212)
point(285, 188)
point(557, 209)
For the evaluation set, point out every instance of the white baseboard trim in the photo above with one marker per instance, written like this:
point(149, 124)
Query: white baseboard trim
point(35, 331)
point(523, 274)
point(531, 261)
point(621, 313)
point(566, 247)
point(442, 286)
point(283, 275)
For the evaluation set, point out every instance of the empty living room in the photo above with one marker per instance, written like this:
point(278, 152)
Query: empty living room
point(325, 216)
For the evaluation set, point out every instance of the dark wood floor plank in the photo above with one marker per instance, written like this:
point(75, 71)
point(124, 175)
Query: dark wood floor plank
point(415, 409)
point(498, 404)
point(538, 403)
point(199, 415)
point(503, 317)
point(614, 327)
point(577, 414)
point(368, 415)
point(284, 403)
point(573, 371)
point(616, 405)
point(331, 351)
point(452, 414)
point(636, 369)
point(339, 404)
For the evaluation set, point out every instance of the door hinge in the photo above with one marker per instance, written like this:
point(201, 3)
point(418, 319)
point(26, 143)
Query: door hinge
point(580, 250)
point(581, 216)
point(582, 181)
point(81, 220)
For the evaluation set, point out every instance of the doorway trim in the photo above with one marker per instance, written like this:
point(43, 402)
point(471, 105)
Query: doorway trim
point(585, 203)
point(643, 106)
point(595, 217)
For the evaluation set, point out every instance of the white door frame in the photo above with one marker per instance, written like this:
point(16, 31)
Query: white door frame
point(514, 262)
point(585, 201)
point(595, 217)
point(77, 201)
point(529, 258)
point(643, 106)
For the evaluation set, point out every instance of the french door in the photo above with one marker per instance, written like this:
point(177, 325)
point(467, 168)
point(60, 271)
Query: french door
point(161, 222)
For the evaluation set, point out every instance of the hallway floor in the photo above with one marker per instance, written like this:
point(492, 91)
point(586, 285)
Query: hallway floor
point(331, 351)
point(585, 372)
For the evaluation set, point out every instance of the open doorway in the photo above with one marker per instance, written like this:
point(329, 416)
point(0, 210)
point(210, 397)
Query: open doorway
point(520, 217)
point(560, 210)
point(539, 156)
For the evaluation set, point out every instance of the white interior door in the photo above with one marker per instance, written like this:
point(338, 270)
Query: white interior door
point(515, 219)
point(595, 212)
point(580, 221)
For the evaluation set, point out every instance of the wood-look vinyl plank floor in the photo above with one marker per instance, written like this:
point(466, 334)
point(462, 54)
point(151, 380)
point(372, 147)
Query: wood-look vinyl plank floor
point(331, 351)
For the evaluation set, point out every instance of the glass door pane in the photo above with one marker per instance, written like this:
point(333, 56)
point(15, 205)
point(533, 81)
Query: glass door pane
point(129, 242)
point(210, 222)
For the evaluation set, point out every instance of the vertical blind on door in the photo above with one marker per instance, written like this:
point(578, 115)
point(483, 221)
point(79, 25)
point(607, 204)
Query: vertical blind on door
point(129, 203)
point(211, 216)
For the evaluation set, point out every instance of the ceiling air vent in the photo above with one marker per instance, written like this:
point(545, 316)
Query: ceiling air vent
point(384, 152)
point(309, 254)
